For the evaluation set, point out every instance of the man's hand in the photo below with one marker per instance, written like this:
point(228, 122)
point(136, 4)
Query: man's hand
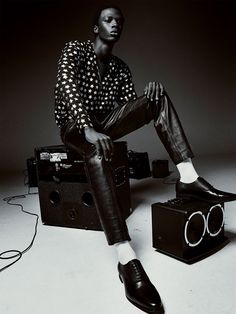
point(103, 143)
point(154, 91)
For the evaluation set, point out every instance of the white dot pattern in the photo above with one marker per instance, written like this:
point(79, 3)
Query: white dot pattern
point(80, 90)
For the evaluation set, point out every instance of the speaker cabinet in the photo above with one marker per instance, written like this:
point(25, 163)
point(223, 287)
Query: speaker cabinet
point(65, 195)
point(139, 166)
point(188, 230)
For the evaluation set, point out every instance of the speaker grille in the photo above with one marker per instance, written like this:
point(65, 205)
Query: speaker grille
point(215, 220)
point(195, 229)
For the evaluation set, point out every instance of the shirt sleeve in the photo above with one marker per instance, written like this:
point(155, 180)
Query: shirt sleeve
point(126, 89)
point(67, 85)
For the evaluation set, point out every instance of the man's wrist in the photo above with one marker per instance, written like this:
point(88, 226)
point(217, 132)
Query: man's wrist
point(88, 129)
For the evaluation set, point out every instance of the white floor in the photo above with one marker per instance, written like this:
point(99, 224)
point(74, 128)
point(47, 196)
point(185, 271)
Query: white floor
point(74, 271)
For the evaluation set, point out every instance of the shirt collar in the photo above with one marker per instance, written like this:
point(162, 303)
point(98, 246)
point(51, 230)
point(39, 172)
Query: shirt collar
point(111, 64)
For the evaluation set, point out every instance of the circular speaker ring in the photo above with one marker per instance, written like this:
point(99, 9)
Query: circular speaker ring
point(87, 199)
point(55, 197)
point(215, 220)
point(195, 229)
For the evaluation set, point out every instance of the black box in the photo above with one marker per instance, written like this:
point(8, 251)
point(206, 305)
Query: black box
point(160, 168)
point(32, 172)
point(188, 230)
point(65, 195)
point(139, 166)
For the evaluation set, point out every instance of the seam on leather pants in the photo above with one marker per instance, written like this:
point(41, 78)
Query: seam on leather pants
point(162, 120)
point(113, 223)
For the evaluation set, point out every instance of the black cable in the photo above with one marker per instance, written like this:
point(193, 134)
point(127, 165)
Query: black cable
point(18, 254)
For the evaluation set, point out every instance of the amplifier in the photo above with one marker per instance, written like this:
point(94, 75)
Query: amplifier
point(188, 230)
point(58, 163)
point(139, 166)
point(160, 168)
point(65, 195)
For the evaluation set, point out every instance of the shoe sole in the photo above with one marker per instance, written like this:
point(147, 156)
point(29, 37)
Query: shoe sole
point(193, 197)
point(160, 310)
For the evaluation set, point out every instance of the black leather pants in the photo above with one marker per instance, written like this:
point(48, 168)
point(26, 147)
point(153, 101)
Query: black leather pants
point(121, 121)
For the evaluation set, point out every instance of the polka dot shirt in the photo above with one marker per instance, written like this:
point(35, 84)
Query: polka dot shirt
point(80, 90)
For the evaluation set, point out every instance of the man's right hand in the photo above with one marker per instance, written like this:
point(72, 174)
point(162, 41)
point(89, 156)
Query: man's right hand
point(103, 143)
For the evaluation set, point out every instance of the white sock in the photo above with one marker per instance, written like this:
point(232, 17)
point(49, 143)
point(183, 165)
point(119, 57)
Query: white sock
point(125, 253)
point(187, 171)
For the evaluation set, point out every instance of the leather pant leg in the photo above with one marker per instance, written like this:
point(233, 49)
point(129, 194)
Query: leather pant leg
point(133, 115)
point(171, 133)
point(102, 181)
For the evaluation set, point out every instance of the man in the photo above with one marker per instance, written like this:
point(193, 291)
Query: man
point(90, 81)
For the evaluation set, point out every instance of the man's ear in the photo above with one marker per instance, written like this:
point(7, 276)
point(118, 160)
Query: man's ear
point(95, 29)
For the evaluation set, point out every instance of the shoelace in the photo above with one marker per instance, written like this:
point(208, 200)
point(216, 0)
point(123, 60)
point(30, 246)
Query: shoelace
point(138, 270)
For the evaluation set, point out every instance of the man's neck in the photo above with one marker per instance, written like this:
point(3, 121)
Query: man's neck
point(102, 49)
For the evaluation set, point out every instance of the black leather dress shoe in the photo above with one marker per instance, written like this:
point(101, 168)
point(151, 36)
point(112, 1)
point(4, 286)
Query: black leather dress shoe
point(138, 288)
point(202, 190)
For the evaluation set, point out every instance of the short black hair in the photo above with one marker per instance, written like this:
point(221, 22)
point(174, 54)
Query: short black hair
point(104, 7)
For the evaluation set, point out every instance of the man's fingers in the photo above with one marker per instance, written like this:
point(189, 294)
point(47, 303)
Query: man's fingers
point(154, 91)
point(102, 143)
point(149, 90)
point(157, 95)
point(111, 147)
point(161, 89)
point(145, 90)
point(159, 92)
point(105, 148)
point(98, 149)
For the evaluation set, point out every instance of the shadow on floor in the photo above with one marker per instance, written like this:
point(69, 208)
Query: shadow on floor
point(231, 235)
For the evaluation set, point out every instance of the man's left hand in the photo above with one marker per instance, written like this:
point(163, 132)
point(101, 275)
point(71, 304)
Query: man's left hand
point(154, 91)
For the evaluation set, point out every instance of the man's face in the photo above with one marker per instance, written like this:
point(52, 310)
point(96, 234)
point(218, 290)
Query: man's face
point(110, 25)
